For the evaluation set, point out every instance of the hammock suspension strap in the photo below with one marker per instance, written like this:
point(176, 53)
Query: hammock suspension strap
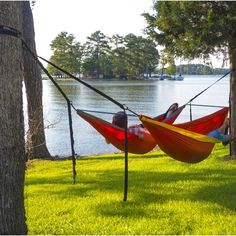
point(211, 85)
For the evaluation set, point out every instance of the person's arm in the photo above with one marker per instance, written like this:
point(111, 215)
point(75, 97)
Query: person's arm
point(138, 131)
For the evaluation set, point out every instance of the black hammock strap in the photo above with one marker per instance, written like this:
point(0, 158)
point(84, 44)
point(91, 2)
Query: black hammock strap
point(210, 86)
point(103, 112)
point(10, 31)
point(84, 83)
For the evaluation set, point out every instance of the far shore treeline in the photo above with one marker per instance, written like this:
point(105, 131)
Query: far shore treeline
point(121, 57)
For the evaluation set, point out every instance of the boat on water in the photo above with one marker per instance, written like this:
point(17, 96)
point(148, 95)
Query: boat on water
point(166, 77)
point(175, 77)
point(179, 77)
point(160, 77)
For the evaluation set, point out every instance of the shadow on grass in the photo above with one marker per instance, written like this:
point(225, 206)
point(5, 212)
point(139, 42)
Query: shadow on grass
point(223, 192)
point(145, 187)
point(65, 177)
point(121, 156)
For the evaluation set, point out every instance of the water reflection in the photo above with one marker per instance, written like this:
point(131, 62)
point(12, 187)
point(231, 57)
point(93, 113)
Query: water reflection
point(143, 97)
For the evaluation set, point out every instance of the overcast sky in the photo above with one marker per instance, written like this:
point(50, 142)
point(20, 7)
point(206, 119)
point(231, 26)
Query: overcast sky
point(84, 17)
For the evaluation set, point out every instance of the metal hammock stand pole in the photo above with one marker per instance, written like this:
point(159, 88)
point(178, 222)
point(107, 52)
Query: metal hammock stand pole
point(199, 105)
point(204, 105)
point(69, 119)
point(126, 168)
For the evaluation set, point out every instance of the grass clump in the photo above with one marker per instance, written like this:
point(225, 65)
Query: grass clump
point(165, 196)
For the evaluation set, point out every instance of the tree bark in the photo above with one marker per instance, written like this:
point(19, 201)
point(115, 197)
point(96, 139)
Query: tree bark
point(36, 143)
point(232, 53)
point(12, 154)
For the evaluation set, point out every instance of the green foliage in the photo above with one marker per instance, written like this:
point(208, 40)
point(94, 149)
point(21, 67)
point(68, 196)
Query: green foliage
point(171, 69)
point(67, 54)
point(119, 62)
point(96, 49)
point(165, 196)
point(166, 59)
point(142, 53)
point(105, 57)
point(193, 69)
point(193, 28)
point(200, 69)
point(196, 69)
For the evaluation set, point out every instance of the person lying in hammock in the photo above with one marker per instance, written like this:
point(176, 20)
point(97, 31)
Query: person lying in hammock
point(174, 107)
point(222, 133)
point(119, 119)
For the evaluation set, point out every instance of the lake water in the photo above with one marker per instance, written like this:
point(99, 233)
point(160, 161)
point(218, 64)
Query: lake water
point(144, 97)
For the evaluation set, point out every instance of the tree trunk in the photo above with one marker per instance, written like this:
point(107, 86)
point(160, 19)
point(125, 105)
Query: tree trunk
point(12, 155)
point(232, 53)
point(36, 144)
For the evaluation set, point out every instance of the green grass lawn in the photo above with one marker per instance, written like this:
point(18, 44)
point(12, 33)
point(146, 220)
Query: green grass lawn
point(164, 197)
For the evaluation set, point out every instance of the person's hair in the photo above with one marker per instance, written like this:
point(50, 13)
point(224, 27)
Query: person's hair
point(173, 106)
point(171, 109)
point(119, 119)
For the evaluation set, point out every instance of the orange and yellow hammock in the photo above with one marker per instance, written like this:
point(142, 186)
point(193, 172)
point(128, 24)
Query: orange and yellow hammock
point(116, 135)
point(186, 142)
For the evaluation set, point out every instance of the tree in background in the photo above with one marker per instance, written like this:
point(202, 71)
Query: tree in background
point(12, 153)
point(36, 144)
point(149, 55)
point(67, 54)
point(97, 49)
point(197, 29)
point(103, 57)
point(143, 54)
point(132, 54)
point(171, 69)
point(118, 59)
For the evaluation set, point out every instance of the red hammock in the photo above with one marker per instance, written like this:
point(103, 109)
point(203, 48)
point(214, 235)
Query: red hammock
point(206, 124)
point(185, 145)
point(116, 135)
